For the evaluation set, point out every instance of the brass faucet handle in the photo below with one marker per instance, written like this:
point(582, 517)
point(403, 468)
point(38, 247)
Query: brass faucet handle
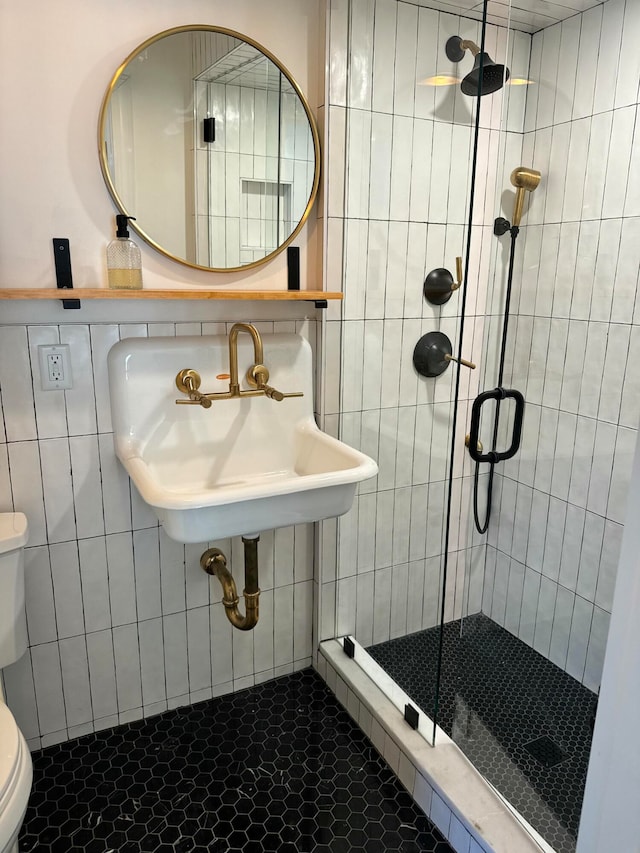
point(203, 401)
point(272, 393)
point(188, 381)
point(258, 376)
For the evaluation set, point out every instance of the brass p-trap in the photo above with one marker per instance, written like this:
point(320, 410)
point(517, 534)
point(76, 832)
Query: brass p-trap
point(214, 562)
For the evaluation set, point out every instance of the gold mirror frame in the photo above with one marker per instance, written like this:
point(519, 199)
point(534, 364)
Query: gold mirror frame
point(103, 153)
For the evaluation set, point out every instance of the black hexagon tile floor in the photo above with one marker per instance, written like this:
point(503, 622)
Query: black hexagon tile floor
point(278, 767)
point(523, 722)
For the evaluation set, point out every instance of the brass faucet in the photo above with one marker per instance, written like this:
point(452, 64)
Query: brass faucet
point(188, 381)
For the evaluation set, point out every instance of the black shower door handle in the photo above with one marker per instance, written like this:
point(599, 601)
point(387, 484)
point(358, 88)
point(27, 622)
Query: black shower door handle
point(497, 394)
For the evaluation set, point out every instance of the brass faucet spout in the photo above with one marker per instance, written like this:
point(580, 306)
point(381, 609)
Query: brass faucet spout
point(250, 329)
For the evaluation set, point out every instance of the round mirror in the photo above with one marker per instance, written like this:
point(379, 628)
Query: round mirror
point(206, 139)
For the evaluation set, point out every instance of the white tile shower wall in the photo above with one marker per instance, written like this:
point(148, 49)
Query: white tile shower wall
point(122, 621)
point(576, 340)
point(399, 160)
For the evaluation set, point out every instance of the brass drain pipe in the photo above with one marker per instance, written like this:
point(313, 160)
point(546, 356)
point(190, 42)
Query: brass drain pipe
point(214, 562)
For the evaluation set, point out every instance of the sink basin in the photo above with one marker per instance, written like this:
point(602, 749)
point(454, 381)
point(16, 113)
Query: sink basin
point(243, 465)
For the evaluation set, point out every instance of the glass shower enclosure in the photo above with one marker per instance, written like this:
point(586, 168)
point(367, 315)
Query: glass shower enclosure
point(498, 637)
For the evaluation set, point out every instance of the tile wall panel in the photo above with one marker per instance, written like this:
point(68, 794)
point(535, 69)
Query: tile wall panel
point(399, 161)
point(122, 621)
point(561, 502)
point(400, 156)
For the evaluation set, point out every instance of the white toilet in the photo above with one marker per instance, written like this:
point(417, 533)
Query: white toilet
point(16, 770)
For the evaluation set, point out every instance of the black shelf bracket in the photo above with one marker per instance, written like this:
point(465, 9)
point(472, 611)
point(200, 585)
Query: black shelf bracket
point(62, 259)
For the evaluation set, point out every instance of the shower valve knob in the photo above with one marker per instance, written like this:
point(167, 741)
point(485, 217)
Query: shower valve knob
point(439, 284)
point(433, 354)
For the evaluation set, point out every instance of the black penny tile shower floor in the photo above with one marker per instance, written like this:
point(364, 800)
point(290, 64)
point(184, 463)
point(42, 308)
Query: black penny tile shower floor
point(277, 767)
point(523, 722)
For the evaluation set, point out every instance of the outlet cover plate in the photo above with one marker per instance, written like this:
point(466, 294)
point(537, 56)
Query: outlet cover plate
point(55, 367)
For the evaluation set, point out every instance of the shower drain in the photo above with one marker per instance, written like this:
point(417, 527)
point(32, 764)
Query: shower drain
point(546, 751)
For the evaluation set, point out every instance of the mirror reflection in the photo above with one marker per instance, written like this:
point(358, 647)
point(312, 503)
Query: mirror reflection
point(207, 140)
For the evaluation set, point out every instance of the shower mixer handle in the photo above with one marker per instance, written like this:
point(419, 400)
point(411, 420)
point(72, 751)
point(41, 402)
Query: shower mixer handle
point(462, 361)
point(458, 283)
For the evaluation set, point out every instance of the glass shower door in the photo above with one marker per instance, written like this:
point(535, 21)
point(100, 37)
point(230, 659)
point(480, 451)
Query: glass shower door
point(527, 658)
point(409, 146)
point(522, 608)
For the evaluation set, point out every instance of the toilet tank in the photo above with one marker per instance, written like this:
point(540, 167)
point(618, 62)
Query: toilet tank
point(13, 621)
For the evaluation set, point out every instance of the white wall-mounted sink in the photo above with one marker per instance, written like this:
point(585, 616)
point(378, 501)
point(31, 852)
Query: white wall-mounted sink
point(240, 467)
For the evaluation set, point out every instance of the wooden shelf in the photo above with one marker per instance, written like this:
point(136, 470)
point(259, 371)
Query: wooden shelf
point(106, 293)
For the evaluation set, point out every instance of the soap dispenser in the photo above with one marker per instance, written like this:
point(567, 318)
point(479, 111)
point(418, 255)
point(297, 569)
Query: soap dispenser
point(124, 261)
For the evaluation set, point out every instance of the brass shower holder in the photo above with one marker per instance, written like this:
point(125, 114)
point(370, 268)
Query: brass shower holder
point(439, 284)
point(214, 562)
point(467, 440)
point(433, 354)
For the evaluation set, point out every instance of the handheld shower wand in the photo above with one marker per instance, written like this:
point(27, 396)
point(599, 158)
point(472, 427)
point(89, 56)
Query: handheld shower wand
point(525, 181)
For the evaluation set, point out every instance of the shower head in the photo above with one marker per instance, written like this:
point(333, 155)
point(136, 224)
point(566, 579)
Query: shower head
point(486, 76)
point(525, 181)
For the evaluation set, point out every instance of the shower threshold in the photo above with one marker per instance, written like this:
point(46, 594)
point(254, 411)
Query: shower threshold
point(523, 722)
point(463, 805)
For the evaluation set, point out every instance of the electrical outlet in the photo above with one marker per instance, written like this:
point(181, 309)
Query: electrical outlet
point(55, 367)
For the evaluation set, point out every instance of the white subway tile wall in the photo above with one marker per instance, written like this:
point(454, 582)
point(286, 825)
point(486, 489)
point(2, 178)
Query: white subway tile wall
point(399, 160)
point(122, 621)
point(575, 331)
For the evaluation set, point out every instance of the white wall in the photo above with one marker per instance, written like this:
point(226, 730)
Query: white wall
point(398, 173)
point(610, 818)
point(52, 184)
point(122, 622)
point(162, 92)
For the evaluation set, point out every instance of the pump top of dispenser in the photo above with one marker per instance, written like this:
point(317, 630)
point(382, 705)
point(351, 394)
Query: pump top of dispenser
point(121, 222)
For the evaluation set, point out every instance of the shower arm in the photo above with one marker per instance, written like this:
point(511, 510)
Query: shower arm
point(471, 46)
